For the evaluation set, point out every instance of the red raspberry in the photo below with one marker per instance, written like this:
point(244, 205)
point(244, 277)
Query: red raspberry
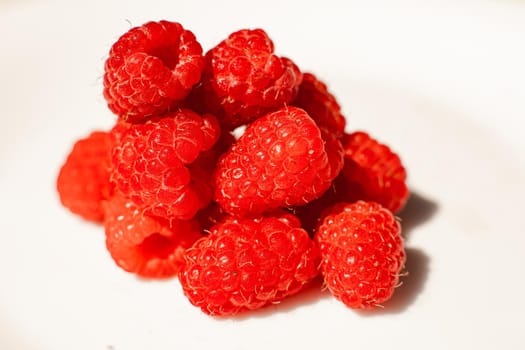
point(245, 264)
point(372, 172)
point(152, 164)
point(147, 246)
point(320, 104)
point(83, 180)
point(362, 253)
point(279, 161)
point(150, 68)
point(244, 79)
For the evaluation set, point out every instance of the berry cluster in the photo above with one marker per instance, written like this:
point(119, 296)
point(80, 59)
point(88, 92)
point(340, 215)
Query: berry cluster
point(241, 221)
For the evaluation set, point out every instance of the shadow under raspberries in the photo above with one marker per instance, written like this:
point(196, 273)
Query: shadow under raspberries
point(417, 211)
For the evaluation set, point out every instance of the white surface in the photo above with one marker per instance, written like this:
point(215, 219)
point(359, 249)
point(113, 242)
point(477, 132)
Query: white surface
point(442, 83)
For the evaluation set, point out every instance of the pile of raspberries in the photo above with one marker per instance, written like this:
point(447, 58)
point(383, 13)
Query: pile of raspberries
point(231, 170)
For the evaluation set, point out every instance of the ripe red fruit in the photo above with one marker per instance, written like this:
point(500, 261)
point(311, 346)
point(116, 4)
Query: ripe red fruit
point(147, 246)
point(83, 180)
point(320, 104)
point(362, 253)
point(152, 164)
point(179, 195)
point(245, 264)
point(280, 161)
point(151, 68)
point(371, 172)
point(244, 79)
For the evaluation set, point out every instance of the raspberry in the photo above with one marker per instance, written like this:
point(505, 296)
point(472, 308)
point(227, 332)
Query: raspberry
point(245, 264)
point(372, 172)
point(232, 170)
point(244, 79)
point(279, 161)
point(150, 68)
point(147, 246)
point(320, 104)
point(153, 164)
point(362, 253)
point(83, 180)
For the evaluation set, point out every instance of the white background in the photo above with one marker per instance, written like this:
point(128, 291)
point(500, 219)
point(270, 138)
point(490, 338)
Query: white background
point(441, 82)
